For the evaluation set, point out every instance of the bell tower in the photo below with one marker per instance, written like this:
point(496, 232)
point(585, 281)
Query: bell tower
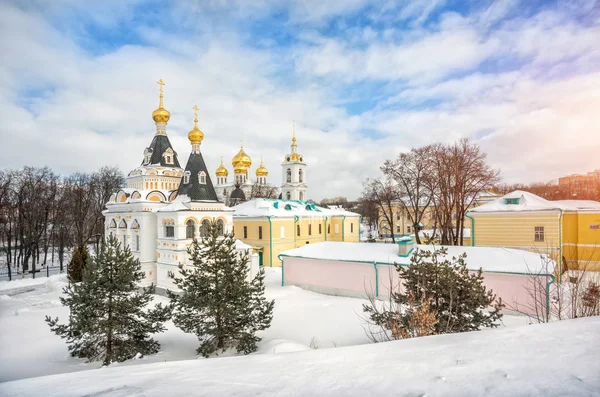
point(293, 185)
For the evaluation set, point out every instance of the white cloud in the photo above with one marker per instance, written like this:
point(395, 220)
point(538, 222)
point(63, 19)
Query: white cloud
point(74, 111)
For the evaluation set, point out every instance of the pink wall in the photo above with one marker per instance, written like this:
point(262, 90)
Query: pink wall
point(353, 279)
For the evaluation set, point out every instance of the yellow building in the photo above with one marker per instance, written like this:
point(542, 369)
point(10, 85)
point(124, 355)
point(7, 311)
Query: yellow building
point(272, 226)
point(402, 225)
point(567, 229)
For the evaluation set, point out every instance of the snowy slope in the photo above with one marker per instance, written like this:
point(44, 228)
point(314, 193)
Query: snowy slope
point(558, 359)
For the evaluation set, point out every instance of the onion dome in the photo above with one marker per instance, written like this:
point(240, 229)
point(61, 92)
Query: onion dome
point(237, 195)
point(241, 158)
point(240, 168)
point(261, 171)
point(161, 115)
point(195, 136)
point(222, 171)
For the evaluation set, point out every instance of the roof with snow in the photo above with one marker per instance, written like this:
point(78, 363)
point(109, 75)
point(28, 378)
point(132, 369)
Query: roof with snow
point(490, 259)
point(285, 208)
point(524, 201)
point(159, 145)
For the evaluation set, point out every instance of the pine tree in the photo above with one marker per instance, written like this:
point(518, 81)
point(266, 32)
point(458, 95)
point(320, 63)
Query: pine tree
point(217, 302)
point(109, 320)
point(458, 297)
point(76, 265)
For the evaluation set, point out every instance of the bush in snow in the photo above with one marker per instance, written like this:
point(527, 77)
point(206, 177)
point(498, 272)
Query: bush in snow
point(217, 302)
point(109, 320)
point(77, 264)
point(437, 295)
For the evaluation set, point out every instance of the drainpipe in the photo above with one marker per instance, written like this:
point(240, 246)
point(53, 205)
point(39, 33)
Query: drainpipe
point(376, 279)
point(472, 229)
point(548, 295)
point(281, 260)
point(560, 242)
point(270, 241)
point(295, 234)
point(343, 221)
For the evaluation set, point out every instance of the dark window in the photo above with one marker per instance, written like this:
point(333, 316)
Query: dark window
point(221, 227)
point(170, 231)
point(328, 228)
point(320, 228)
point(204, 228)
point(289, 175)
point(310, 230)
point(300, 176)
point(260, 232)
point(245, 231)
point(297, 230)
point(352, 228)
point(137, 242)
point(190, 228)
point(539, 233)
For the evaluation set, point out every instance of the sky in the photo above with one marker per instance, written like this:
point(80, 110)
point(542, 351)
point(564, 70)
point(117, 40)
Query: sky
point(364, 81)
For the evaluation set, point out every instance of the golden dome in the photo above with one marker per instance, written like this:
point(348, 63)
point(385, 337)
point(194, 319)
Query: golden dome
point(195, 135)
point(240, 168)
point(261, 171)
point(161, 115)
point(222, 171)
point(242, 158)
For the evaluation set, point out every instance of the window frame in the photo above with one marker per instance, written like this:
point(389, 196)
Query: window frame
point(539, 234)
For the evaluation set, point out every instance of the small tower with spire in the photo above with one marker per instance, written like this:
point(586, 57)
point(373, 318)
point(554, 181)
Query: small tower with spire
point(293, 186)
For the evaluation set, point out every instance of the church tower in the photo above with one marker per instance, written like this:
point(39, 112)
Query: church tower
point(293, 185)
point(160, 169)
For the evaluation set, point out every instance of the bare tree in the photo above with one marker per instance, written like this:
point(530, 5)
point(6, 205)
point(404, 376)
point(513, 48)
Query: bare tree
point(263, 191)
point(383, 194)
point(411, 173)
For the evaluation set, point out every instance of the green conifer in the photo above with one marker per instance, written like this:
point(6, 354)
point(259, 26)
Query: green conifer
point(217, 302)
point(109, 319)
point(77, 264)
point(457, 295)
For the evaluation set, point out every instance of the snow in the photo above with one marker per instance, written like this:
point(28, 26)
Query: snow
point(29, 349)
point(277, 208)
point(531, 202)
point(490, 259)
point(557, 359)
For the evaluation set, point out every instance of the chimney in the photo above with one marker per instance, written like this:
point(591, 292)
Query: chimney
point(405, 246)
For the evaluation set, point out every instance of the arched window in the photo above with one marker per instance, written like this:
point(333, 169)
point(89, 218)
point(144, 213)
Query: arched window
point(289, 175)
point(186, 177)
point(204, 228)
point(300, 176)
point(221, 227)
point(288, 195)
point(202, 178)
point(190, 228)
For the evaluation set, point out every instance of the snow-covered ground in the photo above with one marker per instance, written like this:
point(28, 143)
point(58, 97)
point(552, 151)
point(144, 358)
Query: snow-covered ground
point(29, 349)
point(557, 359)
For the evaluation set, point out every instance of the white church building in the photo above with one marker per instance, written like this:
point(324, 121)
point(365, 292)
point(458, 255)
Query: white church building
point(164, 206)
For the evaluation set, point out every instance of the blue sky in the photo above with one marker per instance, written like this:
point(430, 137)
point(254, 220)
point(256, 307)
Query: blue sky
point(363, 79)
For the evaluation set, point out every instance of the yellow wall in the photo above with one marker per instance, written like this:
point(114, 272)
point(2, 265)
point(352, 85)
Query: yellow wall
point(587, 246)
point(580, 238)
point(517, 230)
point(290, 237)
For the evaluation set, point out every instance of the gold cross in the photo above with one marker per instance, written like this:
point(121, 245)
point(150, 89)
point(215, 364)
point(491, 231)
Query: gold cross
point(196, 108)
point(161, 83)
